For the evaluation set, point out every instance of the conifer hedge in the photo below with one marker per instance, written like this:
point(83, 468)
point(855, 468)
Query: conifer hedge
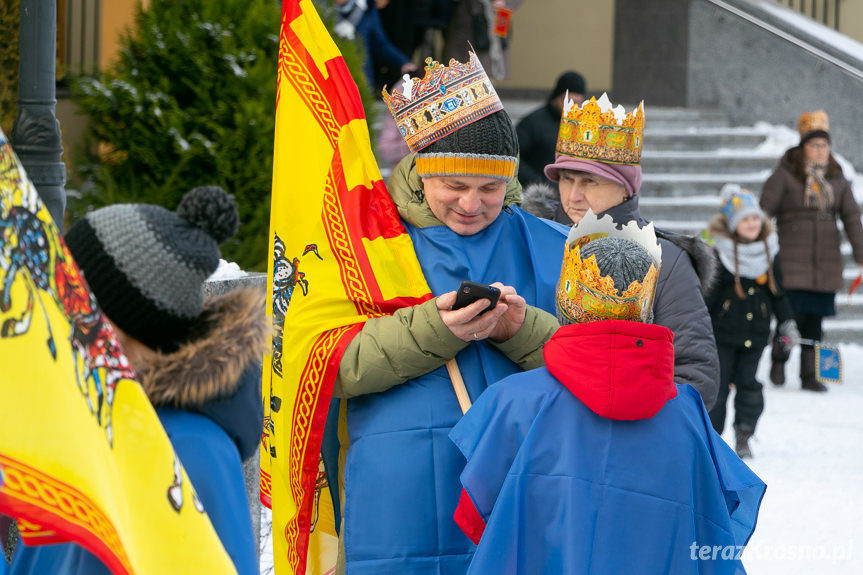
point(190, 101)
point(9, 28)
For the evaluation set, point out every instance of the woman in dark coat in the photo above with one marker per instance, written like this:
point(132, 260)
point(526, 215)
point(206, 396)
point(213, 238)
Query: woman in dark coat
point(806, 194)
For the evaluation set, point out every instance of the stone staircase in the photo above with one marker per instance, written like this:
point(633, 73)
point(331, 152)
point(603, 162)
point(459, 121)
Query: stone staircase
point(689, 155)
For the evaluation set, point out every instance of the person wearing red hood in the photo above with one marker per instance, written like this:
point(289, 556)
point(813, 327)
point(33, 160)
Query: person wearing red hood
point(598, 462)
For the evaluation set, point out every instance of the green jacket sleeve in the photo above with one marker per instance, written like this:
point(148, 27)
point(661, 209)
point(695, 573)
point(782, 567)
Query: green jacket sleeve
point(414, 341)
point(525, 347)
point(395, 348)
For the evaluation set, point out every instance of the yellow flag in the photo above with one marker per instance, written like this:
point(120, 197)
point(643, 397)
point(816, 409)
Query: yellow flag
point(340, 255)
point(83, 455)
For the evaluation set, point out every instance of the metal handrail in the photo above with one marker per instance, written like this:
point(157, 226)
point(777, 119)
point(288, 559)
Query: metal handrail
point(844, 66)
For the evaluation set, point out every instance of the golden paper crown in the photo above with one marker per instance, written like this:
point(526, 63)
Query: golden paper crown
point(584, 295)
point(447, 98)
point(810, 121)
point(597, 131)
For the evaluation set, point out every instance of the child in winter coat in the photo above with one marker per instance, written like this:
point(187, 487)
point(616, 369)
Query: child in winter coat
point(742, 303)
point(197, 359)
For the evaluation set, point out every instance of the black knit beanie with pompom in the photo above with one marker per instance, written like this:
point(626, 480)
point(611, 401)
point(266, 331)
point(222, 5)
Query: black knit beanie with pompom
point(147, 265)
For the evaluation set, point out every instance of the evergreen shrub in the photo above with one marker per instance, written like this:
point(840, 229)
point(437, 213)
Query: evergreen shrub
point(190, 101)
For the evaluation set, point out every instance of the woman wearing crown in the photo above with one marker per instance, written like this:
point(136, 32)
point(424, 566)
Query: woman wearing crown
point(457, 197)
point(598, 462)
point(597, 167)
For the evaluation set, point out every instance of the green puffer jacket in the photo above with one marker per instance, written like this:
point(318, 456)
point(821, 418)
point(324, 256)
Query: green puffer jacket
point(414, 341)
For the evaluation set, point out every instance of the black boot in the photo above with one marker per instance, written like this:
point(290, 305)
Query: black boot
point(742, 437)
point(778, 356)
point(808, 381)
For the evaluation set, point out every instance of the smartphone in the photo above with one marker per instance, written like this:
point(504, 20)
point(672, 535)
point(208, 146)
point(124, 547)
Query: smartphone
point(469, 292)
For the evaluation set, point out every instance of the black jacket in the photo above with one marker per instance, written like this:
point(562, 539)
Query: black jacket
point(687, 272)
point(537, 137)
point(745, 322)
point(736, 321)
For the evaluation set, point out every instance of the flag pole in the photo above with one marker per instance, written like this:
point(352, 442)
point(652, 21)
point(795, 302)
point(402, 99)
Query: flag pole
point(458, 385)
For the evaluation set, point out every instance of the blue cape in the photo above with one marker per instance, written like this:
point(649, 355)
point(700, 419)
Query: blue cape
point(563, 490)
point(401, 471)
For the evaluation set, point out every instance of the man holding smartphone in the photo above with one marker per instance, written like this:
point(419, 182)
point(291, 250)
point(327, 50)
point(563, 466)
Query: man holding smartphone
point(458, 198)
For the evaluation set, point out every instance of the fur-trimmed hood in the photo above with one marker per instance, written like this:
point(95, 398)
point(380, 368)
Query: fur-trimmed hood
point(543, 201)
point(218, 372)
point(229, 336)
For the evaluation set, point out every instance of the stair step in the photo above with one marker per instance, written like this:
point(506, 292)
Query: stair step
point(679, 185)
point(688, 139)
point(705, 162)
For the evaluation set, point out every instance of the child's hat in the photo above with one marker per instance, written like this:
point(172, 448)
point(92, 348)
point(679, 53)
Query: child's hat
point(736, 204)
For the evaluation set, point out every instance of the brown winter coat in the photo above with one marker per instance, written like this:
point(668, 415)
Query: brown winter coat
point(808, 242)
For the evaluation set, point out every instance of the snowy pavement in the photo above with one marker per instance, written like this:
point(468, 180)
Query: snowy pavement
point(808, 448)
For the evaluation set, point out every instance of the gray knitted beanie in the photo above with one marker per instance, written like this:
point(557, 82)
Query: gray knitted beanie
point(485, 147)
point(146, 265)
point(624, 261)
point(492, 135)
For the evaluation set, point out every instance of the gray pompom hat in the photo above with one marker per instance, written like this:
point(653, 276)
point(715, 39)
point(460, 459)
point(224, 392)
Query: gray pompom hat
point(147, 265)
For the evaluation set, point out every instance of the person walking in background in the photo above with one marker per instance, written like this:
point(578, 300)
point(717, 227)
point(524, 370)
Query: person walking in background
point(742, 302)
point(806, 194)
point(198, 361)
point(390, 146)
point(360, 18)
point(598, 462)
point(606, 180)
point(537, 132)
point(470, 28)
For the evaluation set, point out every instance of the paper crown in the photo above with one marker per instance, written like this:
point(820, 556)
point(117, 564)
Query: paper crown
point(447, 98)
point(584, 295)
point(597, 131)
point(812, 121)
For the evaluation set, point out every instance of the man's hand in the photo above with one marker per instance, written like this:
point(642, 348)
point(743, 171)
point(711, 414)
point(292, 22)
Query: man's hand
point(498, 324)
point(466, 323)
point(511, 320)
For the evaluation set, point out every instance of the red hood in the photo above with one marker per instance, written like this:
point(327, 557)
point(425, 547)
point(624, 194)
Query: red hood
point(619, 369)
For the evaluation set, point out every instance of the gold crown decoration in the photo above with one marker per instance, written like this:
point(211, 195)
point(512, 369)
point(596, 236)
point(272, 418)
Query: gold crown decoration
point(444, 100)
point(584, 295)
point(811, 121)
point(598, 131)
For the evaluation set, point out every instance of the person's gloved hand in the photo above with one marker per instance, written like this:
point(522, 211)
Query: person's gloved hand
point(788, 334)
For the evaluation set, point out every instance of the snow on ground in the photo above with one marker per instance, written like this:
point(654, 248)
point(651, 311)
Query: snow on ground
point(808, 448)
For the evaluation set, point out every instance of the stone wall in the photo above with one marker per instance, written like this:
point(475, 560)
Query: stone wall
point(755, 75)
point(699, 54)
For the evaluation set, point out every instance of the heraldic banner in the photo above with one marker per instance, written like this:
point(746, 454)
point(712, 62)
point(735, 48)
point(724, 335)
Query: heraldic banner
point(340, 255)
point(83, 456)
